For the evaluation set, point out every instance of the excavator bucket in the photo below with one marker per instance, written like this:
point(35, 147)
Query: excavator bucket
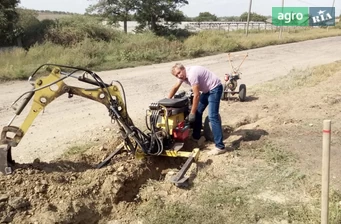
point(6, 161)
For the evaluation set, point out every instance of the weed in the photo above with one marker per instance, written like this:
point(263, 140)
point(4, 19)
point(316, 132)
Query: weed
point(158, 211)
point(118, 50)
point(299, 79)
point(77, 149)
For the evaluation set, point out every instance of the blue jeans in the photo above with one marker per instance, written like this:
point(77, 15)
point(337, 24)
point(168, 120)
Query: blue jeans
point(212, 100)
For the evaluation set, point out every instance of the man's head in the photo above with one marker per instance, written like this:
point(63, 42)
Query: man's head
point(179, 71)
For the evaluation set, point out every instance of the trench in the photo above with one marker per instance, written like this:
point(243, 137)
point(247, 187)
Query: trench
point(155, 169)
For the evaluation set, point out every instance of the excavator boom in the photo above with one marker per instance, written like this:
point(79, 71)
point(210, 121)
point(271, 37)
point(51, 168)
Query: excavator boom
point(48, 88)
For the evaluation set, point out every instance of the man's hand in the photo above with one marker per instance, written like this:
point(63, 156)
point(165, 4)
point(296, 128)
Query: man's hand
point(191, 118)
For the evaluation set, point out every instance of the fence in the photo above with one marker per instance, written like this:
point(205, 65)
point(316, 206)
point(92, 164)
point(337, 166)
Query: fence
point(226, 26)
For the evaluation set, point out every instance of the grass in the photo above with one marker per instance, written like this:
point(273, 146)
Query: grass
point(130, 50)
point(265, 188)
point(77, 149)
point(272, 154)
point(298, 79)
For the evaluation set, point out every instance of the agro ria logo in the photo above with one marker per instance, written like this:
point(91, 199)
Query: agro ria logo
point(322, 16)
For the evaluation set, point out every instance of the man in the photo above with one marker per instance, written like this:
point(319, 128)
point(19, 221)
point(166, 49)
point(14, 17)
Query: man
point(201, 79)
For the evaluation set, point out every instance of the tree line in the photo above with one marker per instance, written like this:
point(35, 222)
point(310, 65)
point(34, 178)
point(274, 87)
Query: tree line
point(22, 28)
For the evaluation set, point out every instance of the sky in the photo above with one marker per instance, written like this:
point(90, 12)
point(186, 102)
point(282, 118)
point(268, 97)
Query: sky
point(218, 7)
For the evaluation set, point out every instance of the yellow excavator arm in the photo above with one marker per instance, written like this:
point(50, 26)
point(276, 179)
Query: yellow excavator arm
point(49, 88)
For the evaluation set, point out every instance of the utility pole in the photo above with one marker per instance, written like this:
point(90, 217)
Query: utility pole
point(333, 9)
point(332, 13)
point(248, 18)
point(281, 28)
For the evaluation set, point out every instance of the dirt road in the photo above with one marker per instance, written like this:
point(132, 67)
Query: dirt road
point(67, 122)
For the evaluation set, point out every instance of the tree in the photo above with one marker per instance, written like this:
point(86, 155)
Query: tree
point(253, 17)
point(75, 29)
point(30, 29)
point(151, 12)
point(229, 18)
point(206, 16)
point(115, 10)
point(8, 19)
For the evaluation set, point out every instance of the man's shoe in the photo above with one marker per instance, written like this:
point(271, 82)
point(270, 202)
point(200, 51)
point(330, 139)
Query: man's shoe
point(216, 151)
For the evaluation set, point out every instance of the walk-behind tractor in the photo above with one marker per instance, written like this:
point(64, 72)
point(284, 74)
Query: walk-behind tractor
point(231, 82)
point(167, 127)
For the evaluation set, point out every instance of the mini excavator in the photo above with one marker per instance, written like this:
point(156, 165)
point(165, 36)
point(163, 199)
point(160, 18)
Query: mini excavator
point(167, 127)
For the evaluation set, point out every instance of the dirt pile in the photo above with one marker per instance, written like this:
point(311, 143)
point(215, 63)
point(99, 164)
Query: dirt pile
point(73, 190)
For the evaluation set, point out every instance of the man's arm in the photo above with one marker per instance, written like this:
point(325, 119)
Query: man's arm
point(196, 97)
point(174, 90)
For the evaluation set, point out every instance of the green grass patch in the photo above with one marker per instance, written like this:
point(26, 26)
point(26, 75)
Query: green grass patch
point(274, 155)
point(130, 50)
point(298, 78)
point(77, 149)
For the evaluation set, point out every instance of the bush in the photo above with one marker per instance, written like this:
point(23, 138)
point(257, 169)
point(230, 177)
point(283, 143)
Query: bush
point(74, 29)
point(173, 34)
point(210, 41)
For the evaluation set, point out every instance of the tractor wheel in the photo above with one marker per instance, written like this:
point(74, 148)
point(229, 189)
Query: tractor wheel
point(208, 129)
point(242, 92)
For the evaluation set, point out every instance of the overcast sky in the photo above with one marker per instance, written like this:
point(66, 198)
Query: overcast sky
point(217, 7)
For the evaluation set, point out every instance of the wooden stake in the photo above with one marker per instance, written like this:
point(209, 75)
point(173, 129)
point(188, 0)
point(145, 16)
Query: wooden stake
point(325, 171)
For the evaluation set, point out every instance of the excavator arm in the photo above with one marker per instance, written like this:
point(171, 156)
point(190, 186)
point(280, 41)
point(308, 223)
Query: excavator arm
point(48, 88)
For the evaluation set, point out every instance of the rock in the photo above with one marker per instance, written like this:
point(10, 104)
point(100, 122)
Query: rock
point(6, 219)
point(251, 126)
point(43, 182)
point(46, 217)
point(170, 174)
point(3, 197)
point(40, 189)
point(234, 139)
point(114, 222)
point(110, 187)
point(18, 180)
point(120, 169)
point(36, 160)
point(116, 179)
point(30, 172)
point(18, 203)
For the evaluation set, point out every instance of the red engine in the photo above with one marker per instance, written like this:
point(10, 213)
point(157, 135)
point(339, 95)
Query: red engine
point(181, 131)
